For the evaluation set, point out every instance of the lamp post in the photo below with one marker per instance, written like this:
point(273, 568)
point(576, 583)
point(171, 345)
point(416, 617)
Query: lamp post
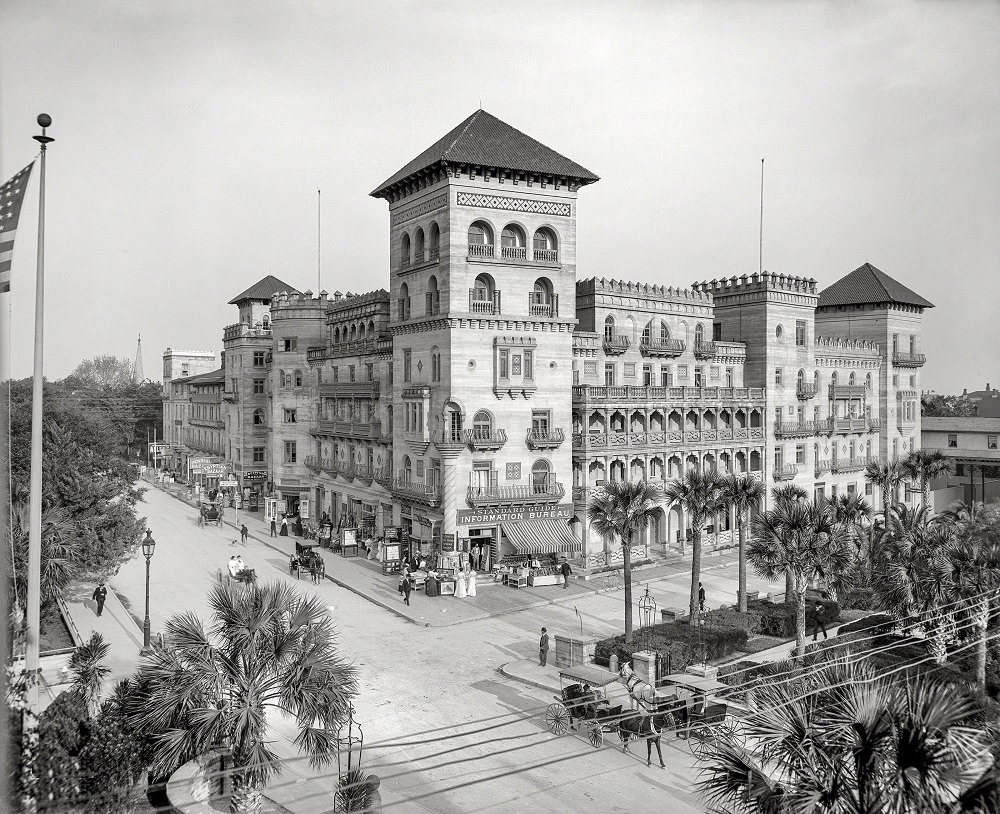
point(350, 796)
point(148, 547)
point(647, 616)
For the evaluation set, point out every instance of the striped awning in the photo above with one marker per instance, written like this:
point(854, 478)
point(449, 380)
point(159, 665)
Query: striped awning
point(540, 536)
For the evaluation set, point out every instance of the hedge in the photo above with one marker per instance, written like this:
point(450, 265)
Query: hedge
point(778, 620)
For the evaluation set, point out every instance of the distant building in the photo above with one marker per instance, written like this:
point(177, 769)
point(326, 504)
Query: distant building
point(987, 401)
point(972, 446)
point(194, 429)
point(179, 364)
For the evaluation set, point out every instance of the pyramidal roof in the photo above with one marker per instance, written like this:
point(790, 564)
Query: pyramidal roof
point(868, 285)
point(484, 140)
point(263, 290)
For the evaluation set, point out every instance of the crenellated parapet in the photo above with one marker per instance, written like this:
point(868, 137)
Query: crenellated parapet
point(295, 305)
point(594, 286)
point(757, 283)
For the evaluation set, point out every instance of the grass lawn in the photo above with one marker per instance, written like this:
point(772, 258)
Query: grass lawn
point(54, 633)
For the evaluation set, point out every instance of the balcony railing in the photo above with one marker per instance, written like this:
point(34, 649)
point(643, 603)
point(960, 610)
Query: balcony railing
point(785, 471)
point(850, 424)
point(418, 257)
point(243, 331)
point(874, 424)
point(371, 430)
point(847, 391)
point(653, 394)
point(513, 252)
point(545, 439)
point(546, 256)
point(480, 250)
point(657, 438)
point(704, 350)
point(207, 422)
point(616, 343)
point(849, 464)
point(661, 346)
point(231, 395)
point(806, 391)
point(483, 306)
point(315, 356)
point(359, 347)
point(404, 261)
point(507, 495)
point(420, 492)
point(350, 390)
point(486, 439)
point(821, 466)
point(908, 359)
point(434, 253)
point(790, 429)
point(538, 307)
point(449, 440)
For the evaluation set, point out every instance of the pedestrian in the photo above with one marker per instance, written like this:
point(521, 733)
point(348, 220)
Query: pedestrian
point(100, 594)
point(543, 647)
point(274, 527)
point(407, 587)
point(701, 597)
point(818, 615)
point(244, 533)
point(566, 571)
point(284, 526)
point(298, 525)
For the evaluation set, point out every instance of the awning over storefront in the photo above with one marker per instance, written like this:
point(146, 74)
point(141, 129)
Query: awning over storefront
point(540, 536)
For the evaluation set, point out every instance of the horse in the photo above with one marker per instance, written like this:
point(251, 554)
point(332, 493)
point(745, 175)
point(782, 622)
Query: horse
point(638, 689)
point(646, 727)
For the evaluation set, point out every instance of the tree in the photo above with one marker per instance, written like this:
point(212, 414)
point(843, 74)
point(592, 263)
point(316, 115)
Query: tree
point(105, 372)
point(844, 740)
point(799, 539)
point(788, 493)
point(699, 494)
point(268, 649)
point(922, 466)
point(951, 406)
point(744, 495)
point(621, 509)
point(88, 671)
point(886, 475)
point(58, 554)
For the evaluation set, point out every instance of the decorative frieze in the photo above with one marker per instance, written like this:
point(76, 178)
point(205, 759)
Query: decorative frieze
point(422, 208)
point(511, 204)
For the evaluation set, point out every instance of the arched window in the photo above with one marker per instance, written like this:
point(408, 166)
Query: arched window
point(546, 249)
point(647, 332)
point(833, 378)
point(800, 379)
point(512, 243)
point(265, 322)
point(699, 333)
point(371, 328)
point(851, 380)
point(664, 331)
point(434, 242)
point(281, 378)
point(433, 297)
point(609, 327)
point(404, 250)
point(453, 423)
point(407, 471)
point(482, 425)
point(868, 382)
point(354, 333)
point(336, 336)
point(541, 474)
point(404, 301)
point(480, 240)
point(258, 417)
point(298, 378)
point(816, 380)
point(483, 295)
point(541, 301)
point(418, 246)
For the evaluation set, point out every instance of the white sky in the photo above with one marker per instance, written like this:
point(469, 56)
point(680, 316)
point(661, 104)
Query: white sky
point(191, 138)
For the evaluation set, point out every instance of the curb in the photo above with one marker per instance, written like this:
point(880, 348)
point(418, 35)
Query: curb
point(502, 669)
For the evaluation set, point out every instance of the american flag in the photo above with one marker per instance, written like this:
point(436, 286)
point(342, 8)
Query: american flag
point(11, 198)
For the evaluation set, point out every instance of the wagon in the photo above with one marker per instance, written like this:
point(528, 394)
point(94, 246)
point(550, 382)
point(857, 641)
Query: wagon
point(582, 702)
point(309, 561)
point(704, 711)
point(209, 513)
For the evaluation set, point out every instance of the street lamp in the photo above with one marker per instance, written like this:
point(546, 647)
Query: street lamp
point(647, 610)
point(351, 794)
point(148, 547)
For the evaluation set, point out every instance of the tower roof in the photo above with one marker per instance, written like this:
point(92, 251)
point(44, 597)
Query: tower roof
point(868, 285)
point(484, 140)
point(263, 290)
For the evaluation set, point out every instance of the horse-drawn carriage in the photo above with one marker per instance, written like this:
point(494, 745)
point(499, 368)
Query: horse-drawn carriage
point(306, 559)
point(703, 710)
point(209, 513)
point(247, 576)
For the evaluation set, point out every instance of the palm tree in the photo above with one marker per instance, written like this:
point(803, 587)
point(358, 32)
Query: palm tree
point(845, 740)
point(744, 495)
point(621, 509)
point(799, 539)
point(699, 493)
point(88, 670)
point(788, 493)
point(922, 465)
point(886, 475)
point(57, 556)
point(268, 649)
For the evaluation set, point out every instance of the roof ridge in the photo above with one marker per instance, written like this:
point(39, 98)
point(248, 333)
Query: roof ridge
point(468, 123)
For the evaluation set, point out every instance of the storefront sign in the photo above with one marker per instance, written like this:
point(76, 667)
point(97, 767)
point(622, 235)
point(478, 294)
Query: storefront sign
point(227, 484)
point(447, 542)
point(215, 470)
point(255, 475)
point(486, 517)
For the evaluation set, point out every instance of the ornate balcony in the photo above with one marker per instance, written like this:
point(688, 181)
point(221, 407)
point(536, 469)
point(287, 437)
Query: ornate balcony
point(845, 425)
point(704, 350)
point(509, 495)
point(805, 391)
point(545, 439)
point(449, 441)
point(371, 430)
point(874, 424)
point(481, 250)
point(243, 331)
point(847, 391)
point(849, 464)
point(316, 356)
point(207, 422)
point(513, 253)
point(785, 471)
point(598, 394)
point(420, 492)
point(792, 429)
point(546, 255)
point(349, 390)
point(482, 441)
point(616, 343)
point(486, 307)
point(537, 307)
point(821, 466)
point(908, 359)
point(652, 346)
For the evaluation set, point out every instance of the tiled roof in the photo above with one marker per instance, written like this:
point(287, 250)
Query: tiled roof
point(868, 285)
point(935, 423)
point(212, 377)
point(484, 140)
point(263, 290)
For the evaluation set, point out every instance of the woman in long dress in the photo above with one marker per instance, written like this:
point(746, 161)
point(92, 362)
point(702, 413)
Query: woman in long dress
point(460, 589)
point(472, 583)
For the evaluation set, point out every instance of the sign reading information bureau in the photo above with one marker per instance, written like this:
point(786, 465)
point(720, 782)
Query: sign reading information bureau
point(486, 517)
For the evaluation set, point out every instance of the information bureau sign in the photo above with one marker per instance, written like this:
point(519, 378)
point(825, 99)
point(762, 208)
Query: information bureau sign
point(488, 517)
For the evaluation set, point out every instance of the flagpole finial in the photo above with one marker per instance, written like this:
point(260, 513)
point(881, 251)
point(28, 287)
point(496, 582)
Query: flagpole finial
point(44, 120)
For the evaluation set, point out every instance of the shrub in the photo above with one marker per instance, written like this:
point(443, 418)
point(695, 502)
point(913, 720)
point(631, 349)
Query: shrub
point(877, 624)
point(682, 643)
point(778, 620)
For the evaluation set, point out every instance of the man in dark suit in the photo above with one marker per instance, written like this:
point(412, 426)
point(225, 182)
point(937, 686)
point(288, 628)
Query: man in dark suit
point(543, 647)
point(99, 595)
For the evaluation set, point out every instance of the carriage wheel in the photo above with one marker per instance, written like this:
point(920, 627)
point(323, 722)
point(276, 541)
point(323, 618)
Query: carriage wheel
point(595, 734)
point(557, 719)
point(730, 732)
point(698, 741)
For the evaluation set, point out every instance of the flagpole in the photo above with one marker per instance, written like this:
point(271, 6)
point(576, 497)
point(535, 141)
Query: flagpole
point(7, 754)
point(35, 506)
point(760, 255)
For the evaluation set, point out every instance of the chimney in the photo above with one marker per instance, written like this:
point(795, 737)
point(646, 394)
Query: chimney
point(965, 391)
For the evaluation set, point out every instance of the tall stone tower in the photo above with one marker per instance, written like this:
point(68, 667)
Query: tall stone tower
point(483, 267)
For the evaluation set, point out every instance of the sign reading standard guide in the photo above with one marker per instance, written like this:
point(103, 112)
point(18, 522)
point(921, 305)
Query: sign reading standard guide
point(486, 517)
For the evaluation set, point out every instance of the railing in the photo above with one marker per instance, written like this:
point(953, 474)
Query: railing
point(849, 464)
point(658, 438)
point(346, 390)
point(847, 391)
point(231, 395)
point(360, 347)
point(908, 359)
point(242, 330)
point(616, 343)
point(546, 256)
point(418, 257)
point(480, 440)
point(822, 466)
point(792, 428)
point(653, 346)
point(785, 471)
point(874, 424)
point(513, 252)
point(652, 394)
point(449, 440)
point(371, 430)
point(704, 350)
point(421, 492)
point(207, 422)
point(538, 307)
point(850, 424)
point(545, 439)
point(806, 391)
point(532, 493)
point(315, 355)
point(480, 306)
point(435, 253)
point(480, 250)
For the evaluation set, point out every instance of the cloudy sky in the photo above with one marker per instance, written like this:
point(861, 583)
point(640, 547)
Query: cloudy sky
point(191, 138)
